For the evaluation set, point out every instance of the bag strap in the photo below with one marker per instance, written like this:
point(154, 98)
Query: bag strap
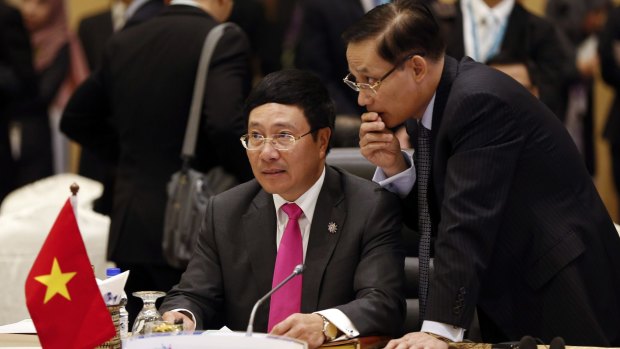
point(191, 131)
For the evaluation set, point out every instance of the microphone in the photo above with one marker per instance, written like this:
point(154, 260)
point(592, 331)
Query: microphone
point(298, 270)
point(527, 342)
point(557, 343)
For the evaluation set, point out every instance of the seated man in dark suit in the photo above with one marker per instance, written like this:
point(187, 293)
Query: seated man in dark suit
point(348, 237)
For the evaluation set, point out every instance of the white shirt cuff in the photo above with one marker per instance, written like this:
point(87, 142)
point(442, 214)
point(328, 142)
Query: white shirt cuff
point(340, 320)
point(454, 333)
point(400, 183)
point(187, 312)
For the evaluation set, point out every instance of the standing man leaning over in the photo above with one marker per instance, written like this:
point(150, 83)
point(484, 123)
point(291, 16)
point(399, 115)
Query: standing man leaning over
point(520, 231)
point(347, 235)
point(133, 111)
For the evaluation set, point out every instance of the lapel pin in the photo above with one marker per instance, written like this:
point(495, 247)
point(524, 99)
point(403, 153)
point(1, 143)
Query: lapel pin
point(332, 227)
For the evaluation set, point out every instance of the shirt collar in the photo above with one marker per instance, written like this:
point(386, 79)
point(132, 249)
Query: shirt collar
point(133, 7)
point(307, 202)
point(185, 2)
point(427, 117)
point(500, 11)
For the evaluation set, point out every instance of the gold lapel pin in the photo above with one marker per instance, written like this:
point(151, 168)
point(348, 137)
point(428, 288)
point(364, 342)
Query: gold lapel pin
point(332, 227)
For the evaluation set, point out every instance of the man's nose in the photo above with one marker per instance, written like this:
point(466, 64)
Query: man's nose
point(268, 151)
point(364, 97)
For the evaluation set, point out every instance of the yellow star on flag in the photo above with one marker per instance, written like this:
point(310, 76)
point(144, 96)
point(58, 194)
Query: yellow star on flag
point(56, 282)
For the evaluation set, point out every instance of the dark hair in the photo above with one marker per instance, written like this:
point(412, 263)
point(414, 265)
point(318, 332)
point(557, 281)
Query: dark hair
point(298, 88)
point(403, 27)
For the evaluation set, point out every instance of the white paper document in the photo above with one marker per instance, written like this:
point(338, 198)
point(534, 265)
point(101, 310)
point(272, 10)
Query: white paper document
point(24, 326)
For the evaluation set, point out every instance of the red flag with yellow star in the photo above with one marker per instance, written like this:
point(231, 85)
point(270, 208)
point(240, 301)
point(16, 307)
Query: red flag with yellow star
point(61, 292)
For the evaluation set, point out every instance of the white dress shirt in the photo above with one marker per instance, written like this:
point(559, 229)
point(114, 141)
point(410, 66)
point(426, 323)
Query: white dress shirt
point(185, 2)
point(484, 27)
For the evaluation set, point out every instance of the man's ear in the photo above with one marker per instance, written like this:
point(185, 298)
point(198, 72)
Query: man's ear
point(323, 136)
point(419, 66)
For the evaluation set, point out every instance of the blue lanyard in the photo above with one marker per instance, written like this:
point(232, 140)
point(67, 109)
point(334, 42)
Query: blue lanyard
point(495, 47)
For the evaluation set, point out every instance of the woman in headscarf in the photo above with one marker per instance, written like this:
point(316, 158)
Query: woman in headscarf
point(61, 67)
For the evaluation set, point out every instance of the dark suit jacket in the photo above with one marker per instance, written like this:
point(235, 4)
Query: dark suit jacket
point(320, 47)
point(528, 37)
point(94, 32)
point(358, 270)
point(521, 230)
point(145, 12)
point(135, 108)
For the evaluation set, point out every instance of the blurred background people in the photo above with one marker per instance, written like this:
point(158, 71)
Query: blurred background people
point(133, 111)
point(482, 29)
point(138, 11)
point(17, 82)
point(60, 66)
point(94, 31)
point(266, 45)
point(609, 52)
point(523, 71)
point(320, 49)
point(579, 22)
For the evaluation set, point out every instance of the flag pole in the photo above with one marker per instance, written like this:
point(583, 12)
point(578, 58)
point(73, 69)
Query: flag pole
point(74, 188)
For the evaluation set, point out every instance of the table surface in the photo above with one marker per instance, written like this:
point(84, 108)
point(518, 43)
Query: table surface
point(31, 341)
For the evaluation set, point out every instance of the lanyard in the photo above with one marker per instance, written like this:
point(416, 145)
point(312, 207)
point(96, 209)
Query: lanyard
point(476, 42)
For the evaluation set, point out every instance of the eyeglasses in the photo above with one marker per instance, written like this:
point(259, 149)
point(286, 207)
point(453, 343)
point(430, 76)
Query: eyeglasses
point(280, 141)
point(362, 86)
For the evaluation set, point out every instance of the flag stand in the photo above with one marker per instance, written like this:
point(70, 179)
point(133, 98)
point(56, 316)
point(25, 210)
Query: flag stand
point(114, 342)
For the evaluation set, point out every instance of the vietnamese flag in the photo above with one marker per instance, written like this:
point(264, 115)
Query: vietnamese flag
point(61, 292)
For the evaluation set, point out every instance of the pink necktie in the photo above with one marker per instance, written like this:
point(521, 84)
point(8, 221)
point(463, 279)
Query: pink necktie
point(287, 300)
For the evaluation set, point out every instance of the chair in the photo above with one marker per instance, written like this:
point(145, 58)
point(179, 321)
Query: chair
point(346, 131)
point(351, 160)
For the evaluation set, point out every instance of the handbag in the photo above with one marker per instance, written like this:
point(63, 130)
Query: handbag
point(188, 189)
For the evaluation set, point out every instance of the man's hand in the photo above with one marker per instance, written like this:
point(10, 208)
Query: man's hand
point(379, 145)
point(177, 317)
point(417, 340)
point(306, 327)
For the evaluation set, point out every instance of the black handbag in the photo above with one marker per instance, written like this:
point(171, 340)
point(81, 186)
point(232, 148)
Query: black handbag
point(188, 189)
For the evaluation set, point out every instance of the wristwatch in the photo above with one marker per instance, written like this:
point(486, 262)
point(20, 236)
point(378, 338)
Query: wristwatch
point(330, 331)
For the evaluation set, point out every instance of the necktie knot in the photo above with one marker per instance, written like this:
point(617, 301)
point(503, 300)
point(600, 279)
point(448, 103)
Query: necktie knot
point(292, 211)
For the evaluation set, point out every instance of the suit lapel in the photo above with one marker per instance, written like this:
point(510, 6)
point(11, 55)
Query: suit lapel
point(259, 229)
point(330, 208)
point(450, 70)
point(448, 75)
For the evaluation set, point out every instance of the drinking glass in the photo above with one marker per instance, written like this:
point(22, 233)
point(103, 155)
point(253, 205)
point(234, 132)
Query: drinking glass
point(149, 313)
